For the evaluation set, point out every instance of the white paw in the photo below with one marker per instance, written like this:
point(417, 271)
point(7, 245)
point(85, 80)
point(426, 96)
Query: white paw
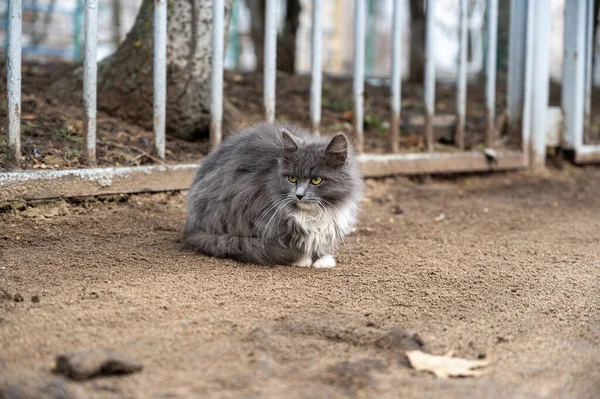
point(326, 261)
point(304, 261)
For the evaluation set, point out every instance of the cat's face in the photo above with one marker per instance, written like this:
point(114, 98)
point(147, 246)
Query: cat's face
point(315, 174)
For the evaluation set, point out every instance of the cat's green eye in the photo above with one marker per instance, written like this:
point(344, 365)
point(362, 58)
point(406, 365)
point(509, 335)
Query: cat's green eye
point(293, 179)
point(316, 180)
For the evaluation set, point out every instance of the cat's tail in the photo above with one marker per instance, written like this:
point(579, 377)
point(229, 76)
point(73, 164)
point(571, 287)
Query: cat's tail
point(242, 249)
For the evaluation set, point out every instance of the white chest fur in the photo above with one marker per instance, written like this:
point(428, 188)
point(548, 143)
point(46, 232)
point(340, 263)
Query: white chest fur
point(326, 228)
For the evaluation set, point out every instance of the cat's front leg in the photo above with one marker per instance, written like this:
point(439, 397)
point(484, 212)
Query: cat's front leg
point(324, 262)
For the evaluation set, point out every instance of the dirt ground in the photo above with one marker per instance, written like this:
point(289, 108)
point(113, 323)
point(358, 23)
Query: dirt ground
point(505, 267)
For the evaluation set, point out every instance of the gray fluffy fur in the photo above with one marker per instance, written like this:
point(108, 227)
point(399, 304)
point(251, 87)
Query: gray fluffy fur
point(243, 206)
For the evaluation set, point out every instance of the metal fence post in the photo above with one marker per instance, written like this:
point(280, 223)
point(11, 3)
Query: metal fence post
point(461, 81)
point(528, 80)
point(396, 82)
point(90, 72)
point(490, 81)
point(541, 84)
point(316, 67)
point(13, 84)
point(589, 55)
point(573, 84)
point(216, 82)
point(160, 76)
point(358, 86)
point(429, 75)
point(516, 64)
point(270, 62)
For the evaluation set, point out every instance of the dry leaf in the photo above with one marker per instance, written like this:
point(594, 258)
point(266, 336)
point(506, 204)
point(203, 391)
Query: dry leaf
point(446, 366)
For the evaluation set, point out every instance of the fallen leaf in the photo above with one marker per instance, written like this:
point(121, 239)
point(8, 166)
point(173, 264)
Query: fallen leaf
point(446, 366)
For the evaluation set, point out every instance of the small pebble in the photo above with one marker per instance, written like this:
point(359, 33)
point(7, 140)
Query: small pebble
point(35, 299)
point(18, 298)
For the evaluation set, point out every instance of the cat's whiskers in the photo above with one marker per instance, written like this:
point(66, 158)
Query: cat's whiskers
point(280, 206)
point(268, 213)
point(278, 200)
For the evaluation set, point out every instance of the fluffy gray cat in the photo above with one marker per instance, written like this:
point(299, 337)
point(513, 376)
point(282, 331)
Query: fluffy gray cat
point(275, 195)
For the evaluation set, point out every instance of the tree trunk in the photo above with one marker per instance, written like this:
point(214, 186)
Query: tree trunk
point(125, 87)
point(417, 47)
point(286, 42)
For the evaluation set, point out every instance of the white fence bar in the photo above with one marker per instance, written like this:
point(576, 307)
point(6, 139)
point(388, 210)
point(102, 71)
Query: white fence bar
point(588, 154)
point(429, 74)
point(359, 72)
point(461, 82)
point(13, 84)
point(160, 76)
point(90, 77)
point(528, 80)
point(490, 82)
point(589, 56)
point(573, 85)
point(216, 81)
point(516, 64)
point(270, 61)
point(541, 84)
point(396, 83)
point(316, 67)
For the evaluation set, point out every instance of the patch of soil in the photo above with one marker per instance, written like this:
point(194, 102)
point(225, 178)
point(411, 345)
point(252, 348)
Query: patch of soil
point(52, 133)
point(511, 273)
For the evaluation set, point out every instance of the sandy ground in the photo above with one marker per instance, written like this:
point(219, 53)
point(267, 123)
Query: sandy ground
point(511, 272)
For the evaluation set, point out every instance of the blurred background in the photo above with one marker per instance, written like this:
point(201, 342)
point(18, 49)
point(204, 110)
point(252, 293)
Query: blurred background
point(53, 29)
point(52, 80)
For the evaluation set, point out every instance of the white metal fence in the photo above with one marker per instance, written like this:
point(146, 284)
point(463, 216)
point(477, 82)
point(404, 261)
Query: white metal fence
point(527, 100)
point(577, 79)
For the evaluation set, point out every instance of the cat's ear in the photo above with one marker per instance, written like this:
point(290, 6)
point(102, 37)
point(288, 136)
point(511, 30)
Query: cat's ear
point(337, 150)
point(290, 143)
